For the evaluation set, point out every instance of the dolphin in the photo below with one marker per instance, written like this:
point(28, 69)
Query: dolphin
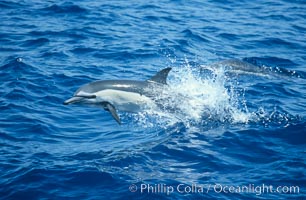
point(124, 95)
point(236, 67)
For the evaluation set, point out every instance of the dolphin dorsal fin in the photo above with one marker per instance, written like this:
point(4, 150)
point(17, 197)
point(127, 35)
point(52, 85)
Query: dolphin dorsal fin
point(161, 76)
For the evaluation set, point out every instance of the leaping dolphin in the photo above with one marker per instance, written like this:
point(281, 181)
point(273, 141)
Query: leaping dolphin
point(125, 95)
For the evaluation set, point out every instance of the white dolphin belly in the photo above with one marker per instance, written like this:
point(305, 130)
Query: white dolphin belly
point(125, 101)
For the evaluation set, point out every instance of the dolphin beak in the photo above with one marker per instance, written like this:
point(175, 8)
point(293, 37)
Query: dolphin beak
point(73, 100)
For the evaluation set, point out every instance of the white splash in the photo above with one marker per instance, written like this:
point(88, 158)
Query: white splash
point(195, 98)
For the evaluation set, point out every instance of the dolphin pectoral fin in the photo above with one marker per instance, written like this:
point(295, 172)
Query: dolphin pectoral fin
point(111, 108)
point(161, 76)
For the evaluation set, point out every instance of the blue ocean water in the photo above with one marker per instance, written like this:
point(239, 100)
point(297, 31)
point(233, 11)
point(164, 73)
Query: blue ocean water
point(234, 130)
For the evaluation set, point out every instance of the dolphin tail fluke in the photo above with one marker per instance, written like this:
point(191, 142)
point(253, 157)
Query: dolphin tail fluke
point(161, 76)
point(109, 107)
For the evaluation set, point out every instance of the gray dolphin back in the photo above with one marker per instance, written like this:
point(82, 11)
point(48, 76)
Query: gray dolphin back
point(125, 85)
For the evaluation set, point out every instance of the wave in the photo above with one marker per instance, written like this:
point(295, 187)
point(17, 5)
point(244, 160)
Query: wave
point(65, 9)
